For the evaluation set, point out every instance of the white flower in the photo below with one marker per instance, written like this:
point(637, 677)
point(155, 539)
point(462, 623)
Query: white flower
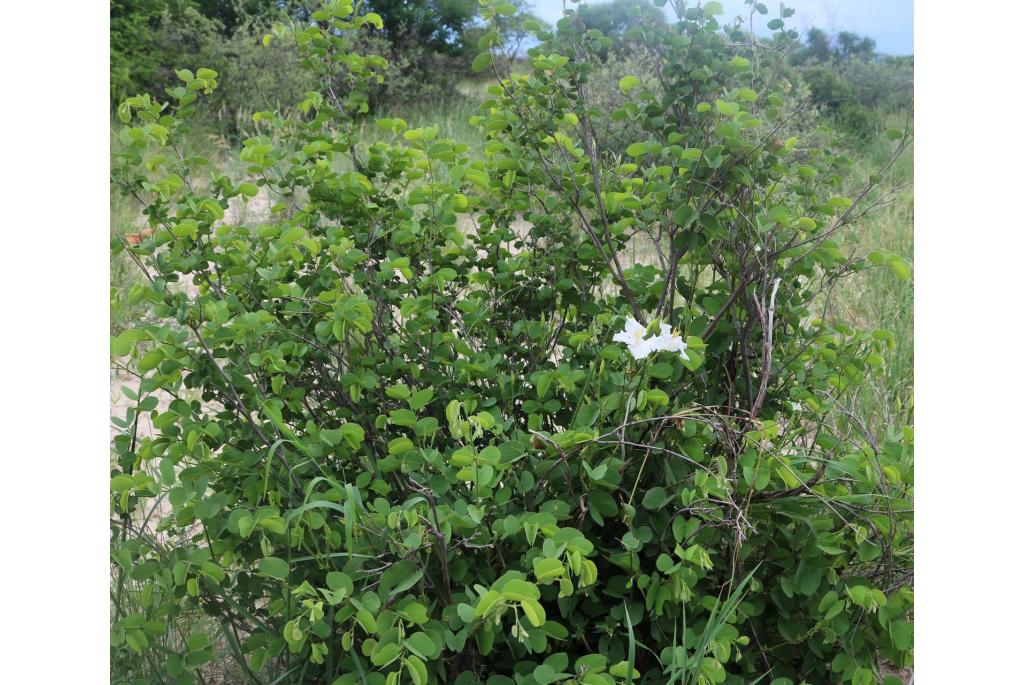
point(669, 342)
point(633, 338)
point(640, 347)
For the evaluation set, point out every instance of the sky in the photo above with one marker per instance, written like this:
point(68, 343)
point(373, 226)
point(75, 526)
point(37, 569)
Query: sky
point(889, 22)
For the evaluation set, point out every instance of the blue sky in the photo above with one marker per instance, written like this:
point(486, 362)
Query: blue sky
point(889, 22)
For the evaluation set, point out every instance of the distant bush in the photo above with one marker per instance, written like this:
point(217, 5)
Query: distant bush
point(253, 78)
point(617, 17)
point(149, 37)
point(851, 83)
point(416, 75)
point(618, 133)
point(885, 83)
point(425, 422)
point(429, 48)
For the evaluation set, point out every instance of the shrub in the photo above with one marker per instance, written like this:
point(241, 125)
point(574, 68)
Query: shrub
point(604, 94)
point(886, 83)
point(146, 39)
point(417, 75)
point(837, 98)
point(252, 78)
point(428, 423)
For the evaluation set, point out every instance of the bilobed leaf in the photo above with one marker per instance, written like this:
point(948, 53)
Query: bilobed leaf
point(400, 577)
point(248, 189)
point(353, 434)
point(900, 268)
point(400, 446)
point(729, 109)
point(636, 150)
point(420, 398)
point(274, 567)
point(125, 342)
point(546, 569)
point(121, 483)
point(534, 612)
point(384, 654)
point(421, 645)
point(336, 580)
point(544, 674)
point(417, 669)
point(902, 634)
point(331, 437)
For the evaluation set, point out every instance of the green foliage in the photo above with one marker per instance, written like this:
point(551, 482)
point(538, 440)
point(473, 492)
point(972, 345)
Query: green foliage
point(617, 17)
point(427, 42)
point(844, 46)
point(851, 83)
point(437, 25)
point(837, 97)
point(396, 438)
point(147, 37)
point(416, 75)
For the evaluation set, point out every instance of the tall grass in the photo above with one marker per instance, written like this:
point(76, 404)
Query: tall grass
point(450, 116)
point(876, 298)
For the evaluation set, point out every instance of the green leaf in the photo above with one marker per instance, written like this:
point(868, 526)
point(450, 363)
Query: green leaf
point(729, 109)
point(902, 634)
point(384, 654)
point(544, 674)
point(399, 391)
point(547, 569)
point(637, 150)
point(900, 268)
point(248, 189)
point(417, 669)
point(420, 399)
point(353, 434)
point(125, 342)
point(534, 612)
point(543, 383)
point(400, 446)
point(628, 83)
point(121, 483)
point(481, 62)
point(400, 577)
point(421, 645)
point(336, 580)
point(274, 567)
point(331, 437)
point(655, 497)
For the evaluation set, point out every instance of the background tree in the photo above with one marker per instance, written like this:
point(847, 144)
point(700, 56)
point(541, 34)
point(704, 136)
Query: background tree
point(438, 25)
point(614, 18)
point(818, 48)
point(140, 52)
point(850, 45)
point(232, 14)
